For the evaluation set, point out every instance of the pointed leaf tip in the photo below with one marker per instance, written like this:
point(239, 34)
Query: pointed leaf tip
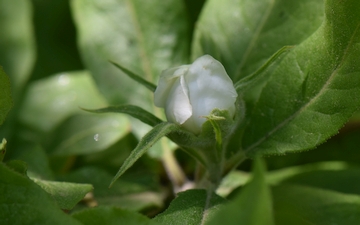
point(135, 77)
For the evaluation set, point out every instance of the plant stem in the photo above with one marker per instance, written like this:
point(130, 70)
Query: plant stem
point(172, 168)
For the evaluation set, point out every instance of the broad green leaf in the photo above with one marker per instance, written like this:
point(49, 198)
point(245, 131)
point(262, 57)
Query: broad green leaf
point(145, 143)
point(134, 111)
point(24, 202)
point(192, 207)
point(5, 93)
point(66, 195)
point(313, 91)
point(49, 101)
point(301, 205)
point(243, 34)
point(16, 43)
point(144, 36)
point(253, 206)
point(111, 216)
point(85, 134)
point(136, 192)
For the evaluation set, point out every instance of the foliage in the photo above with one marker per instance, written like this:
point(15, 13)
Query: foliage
point(77, 113)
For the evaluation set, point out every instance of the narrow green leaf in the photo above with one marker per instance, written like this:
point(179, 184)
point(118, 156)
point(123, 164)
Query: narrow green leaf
point(5, 93)
point(243, 34)
point(24, 202)
point(247, 83)
point(135, 77)
point(134, 111)
point(111, 216)
point(253, 206)
point(66, 195)
point(314, 90)
point(145, 143)
point(192, 207)
point(301, 205)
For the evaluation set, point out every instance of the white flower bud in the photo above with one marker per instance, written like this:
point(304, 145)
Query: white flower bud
point(189, 92)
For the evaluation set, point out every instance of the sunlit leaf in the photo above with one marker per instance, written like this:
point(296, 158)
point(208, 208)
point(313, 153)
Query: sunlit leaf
point(313, 91)
point(243, 34)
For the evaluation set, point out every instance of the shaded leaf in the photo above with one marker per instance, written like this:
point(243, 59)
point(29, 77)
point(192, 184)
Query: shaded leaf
point(66, 195)
point(138, 191)
point(5, 93)
point(313, 91)
point(301, 205)
point(24, 202)
point(111, 216)
point(191, 207)
point(253, 206)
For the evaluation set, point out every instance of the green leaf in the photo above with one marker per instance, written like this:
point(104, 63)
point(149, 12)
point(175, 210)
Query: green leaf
point(49, 101)
point(85, 134)
point(136, 192)
point(66, 195)
point(301, 205)
point(134, 111)
point(17, 44)
point(243, 34)
point(137, 78)
point(5, 93)
point(144, 36)
point(253, 206)
point(24, 202)
point(191, 207)
point(111, 216)
point(313, 91)
point(345, 181)
point(145, 143)
point(36, 159)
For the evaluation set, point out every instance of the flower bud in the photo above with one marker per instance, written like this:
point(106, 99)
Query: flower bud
point(190, 92)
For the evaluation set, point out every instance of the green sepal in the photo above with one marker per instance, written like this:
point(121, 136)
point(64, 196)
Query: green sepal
point(248, 82)
point(136, 77)
point(132, 110)
point(145, 143)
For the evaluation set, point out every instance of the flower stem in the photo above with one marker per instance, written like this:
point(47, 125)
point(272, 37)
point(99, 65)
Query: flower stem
point(172, 168)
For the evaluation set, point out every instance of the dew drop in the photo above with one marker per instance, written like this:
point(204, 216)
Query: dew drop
point(96, 137)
